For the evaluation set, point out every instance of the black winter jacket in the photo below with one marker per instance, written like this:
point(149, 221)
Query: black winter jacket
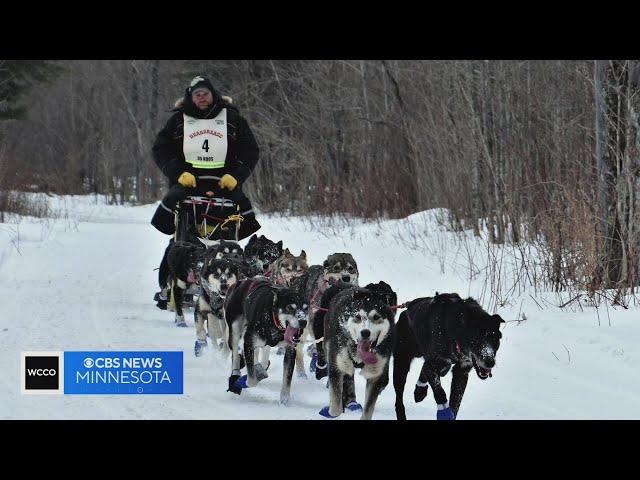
point(242, 148)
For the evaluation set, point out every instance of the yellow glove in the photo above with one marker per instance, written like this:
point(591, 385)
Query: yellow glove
point(227, 181)
point(187, 180)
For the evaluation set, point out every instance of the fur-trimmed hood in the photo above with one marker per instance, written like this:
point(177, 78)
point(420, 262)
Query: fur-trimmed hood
point(185, 105)
point(179, 102)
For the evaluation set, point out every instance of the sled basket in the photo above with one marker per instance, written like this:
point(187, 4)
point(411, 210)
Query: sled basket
point(208, 219)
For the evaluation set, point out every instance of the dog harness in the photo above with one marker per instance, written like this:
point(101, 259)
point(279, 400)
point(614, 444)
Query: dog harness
point(256, 283)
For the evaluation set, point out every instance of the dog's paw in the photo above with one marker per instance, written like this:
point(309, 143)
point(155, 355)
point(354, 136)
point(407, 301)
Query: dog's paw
point(420, 393)
point(302, 374)
point(232, 384)
point(445, 414)
point(199, 347)
point(284, 400)
point(181, 323)
point(325, 412)
point(313, 363)
point(241, 382)
point(261, 373)
point(354, 406)
point(280, 351)
point(321, 371)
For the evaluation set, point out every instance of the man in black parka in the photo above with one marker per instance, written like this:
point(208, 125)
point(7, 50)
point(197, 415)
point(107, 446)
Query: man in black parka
point(206, 145)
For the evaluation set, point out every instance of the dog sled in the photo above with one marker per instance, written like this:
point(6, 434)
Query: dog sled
point(207, 220)
point(206, 215)
point(204, 220)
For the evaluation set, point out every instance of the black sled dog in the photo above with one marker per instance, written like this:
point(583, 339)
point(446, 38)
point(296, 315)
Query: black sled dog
point(185, 261)
point(446, 331)
point(260, 252)
point(258, 314)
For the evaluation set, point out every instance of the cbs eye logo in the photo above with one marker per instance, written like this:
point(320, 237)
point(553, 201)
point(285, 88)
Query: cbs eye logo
point(41, 373)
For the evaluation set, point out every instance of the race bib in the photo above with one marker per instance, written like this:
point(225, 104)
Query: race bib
point(205, 141)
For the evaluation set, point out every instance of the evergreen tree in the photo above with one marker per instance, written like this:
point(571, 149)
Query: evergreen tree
point(19, 77)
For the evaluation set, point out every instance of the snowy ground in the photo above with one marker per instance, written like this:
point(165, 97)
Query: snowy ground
point(85, 281)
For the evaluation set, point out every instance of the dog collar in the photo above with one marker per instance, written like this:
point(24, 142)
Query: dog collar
point(276, 321)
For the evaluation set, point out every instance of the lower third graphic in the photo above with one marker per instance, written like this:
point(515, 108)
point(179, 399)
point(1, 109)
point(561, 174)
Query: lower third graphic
point(147, 373)
point(77, 373)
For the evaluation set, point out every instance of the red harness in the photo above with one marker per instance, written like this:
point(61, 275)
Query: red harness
point(253, 286)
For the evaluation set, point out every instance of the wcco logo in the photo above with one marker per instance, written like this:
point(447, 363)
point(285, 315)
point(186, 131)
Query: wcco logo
point(41, 372)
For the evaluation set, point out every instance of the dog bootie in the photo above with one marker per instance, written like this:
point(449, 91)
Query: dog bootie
point(241, 382)
point(161, 301)
point(420, 393)
point(232, 384)
point(200, 346)
point(325, 412)
point(314, 362)
point(180, 321)
point(445, 413)
point(354, 406)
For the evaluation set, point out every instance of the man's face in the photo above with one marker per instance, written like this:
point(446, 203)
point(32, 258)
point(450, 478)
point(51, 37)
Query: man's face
point(202, 98)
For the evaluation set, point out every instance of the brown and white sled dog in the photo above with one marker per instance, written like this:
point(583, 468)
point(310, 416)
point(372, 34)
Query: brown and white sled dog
point(359, 328)
point(287, 267)
point(216, 277)
point(337, 267)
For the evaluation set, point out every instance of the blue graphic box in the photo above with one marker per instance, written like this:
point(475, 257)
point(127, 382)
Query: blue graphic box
point(132, 373)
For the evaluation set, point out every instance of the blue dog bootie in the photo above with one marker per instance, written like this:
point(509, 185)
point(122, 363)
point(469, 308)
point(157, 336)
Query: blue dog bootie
point(235, 376)
point(445, 412)
point(241, 382)
point(199, 347)
point(325, 412)
point(354, 406)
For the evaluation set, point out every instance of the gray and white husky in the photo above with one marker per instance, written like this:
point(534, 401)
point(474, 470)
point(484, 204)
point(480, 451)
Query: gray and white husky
point(216, 277)
point(337, 267)
point(359, 328)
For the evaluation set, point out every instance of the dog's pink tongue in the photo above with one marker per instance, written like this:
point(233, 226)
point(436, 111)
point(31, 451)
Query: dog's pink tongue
point(192, 278)
point(289, 334)
point(364, 352)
